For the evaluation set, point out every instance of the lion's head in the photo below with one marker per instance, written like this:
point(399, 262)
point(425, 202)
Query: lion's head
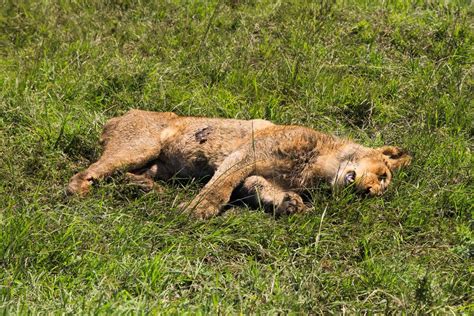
point(370, 171)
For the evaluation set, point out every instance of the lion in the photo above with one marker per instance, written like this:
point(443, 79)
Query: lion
point(266, 164)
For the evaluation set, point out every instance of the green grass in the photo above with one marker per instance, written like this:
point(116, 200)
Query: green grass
point(396, 73)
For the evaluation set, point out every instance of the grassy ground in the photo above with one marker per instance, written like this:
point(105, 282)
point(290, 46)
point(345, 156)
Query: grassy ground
point(395, 73)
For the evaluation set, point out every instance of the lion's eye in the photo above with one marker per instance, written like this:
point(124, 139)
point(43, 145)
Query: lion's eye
point(350, 177)
point(383, 177)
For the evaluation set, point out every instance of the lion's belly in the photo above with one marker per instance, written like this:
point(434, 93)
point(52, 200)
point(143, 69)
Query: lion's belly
point(200, 146)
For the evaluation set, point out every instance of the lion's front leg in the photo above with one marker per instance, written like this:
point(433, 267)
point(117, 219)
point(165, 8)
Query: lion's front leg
point(216, 193)
point(259, 192)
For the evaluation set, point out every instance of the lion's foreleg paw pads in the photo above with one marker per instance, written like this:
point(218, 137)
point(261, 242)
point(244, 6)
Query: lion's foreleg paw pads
point(292, 203)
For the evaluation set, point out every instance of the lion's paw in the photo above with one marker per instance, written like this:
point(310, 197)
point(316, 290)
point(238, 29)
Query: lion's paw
point(79, 185)
point(202, 209)
point(292, 203)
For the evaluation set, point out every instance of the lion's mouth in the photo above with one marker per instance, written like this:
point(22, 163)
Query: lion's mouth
point(350, 177)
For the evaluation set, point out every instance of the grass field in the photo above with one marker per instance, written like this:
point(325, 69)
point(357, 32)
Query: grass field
point(398, 73)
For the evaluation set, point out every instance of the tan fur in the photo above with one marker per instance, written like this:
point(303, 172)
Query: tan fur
point(269, 164)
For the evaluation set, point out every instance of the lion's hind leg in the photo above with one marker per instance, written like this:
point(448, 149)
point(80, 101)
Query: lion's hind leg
point(130, 158)
point(144, 178)
point(130, 143)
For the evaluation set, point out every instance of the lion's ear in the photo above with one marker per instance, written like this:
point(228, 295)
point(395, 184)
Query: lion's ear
point(395, 157)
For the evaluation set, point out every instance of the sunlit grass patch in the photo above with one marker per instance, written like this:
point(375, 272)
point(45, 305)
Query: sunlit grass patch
point(397, 73)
